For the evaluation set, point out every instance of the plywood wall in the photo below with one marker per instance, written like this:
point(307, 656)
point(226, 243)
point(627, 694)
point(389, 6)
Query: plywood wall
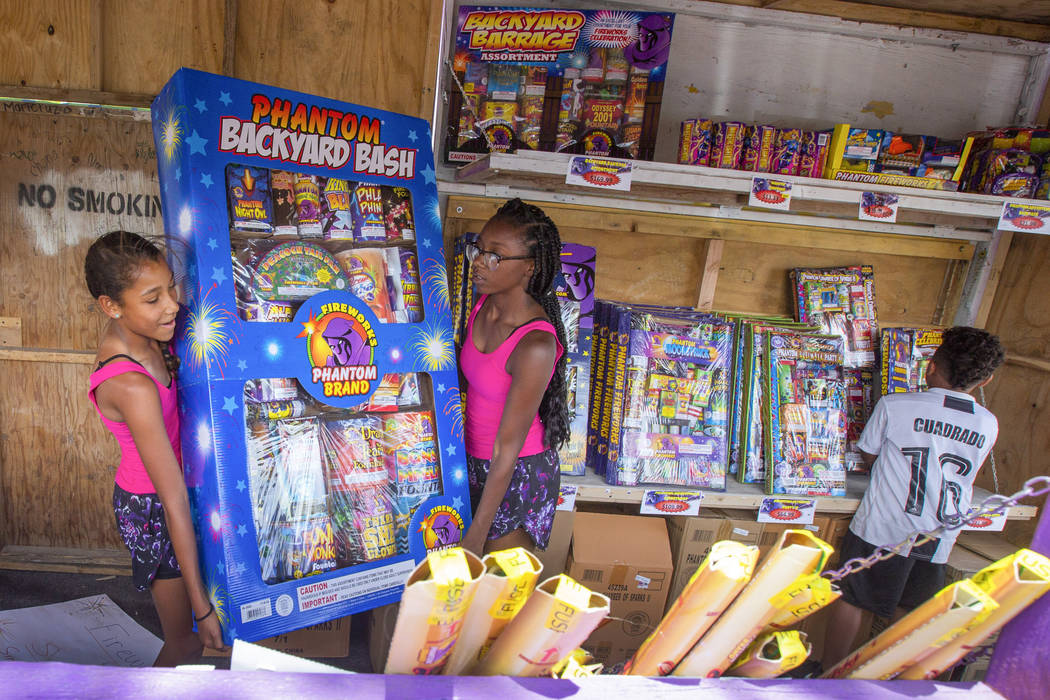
point(373, 52)
point(1019, 395)
point(59, 169)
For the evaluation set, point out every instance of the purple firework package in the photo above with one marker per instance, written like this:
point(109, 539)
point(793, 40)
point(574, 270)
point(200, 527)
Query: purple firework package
point(758, 148)
point(813, 153)
point(411, 293)
point(248, 189)
point(727, 145)
point(336, 220)
point(397, 214)
point(367, 208)
point(308, 206)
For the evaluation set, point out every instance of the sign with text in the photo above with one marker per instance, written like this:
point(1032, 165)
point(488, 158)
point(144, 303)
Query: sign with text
point(670, 502)
point(567, 497)
point(878, 206)
point(1026, 218)
point(787, 509)
point(986, 523)
point(603, 173)
point(770, 194)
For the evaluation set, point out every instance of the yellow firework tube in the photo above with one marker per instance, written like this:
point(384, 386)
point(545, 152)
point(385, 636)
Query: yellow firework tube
point(798, 553)
point(801, 599)
point(1014, 582)
point(941, 619)
point(772, 654)
point(713, 586)
point(437, 595)
point(555, 620)
point(509, 579)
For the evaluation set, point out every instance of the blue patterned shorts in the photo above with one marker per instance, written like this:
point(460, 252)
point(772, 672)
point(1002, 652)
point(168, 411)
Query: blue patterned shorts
point(530, 499)
point(141, 523)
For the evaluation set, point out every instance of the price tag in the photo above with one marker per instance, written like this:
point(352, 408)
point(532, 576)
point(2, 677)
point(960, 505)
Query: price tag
point(878, 206)
point(787, 509)
point(987, 523)
point(603, 173)
point(1026, 218)
point(770, 194)
point(669, 502)
point(567, 497)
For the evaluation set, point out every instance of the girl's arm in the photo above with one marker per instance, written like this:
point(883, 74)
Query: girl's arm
point(530, 367)
point(135, 396)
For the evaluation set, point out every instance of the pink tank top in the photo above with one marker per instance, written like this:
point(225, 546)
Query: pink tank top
point(131, 473)
point(488, 384)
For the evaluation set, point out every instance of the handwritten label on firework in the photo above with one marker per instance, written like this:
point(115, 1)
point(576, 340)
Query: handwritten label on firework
point(603, 173)
point(878, 206)
point(786, 509)
point(987, 523)
point(1026, 218)
point(668, 502)
point(770, 194)
point(567, 497)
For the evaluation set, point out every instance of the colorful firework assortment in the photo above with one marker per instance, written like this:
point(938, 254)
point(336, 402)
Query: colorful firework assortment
point(333, 488)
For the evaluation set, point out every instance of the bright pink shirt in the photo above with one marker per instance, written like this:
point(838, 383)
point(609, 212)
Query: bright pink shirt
point(488, 384)
point(131, 473)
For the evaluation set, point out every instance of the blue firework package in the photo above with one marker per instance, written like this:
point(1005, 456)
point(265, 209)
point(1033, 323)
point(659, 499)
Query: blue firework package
point(248, 188)
point(367, 210)
point(319, 399)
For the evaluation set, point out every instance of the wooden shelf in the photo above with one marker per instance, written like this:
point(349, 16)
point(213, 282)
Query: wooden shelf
point(593, 489)
point(716, 193)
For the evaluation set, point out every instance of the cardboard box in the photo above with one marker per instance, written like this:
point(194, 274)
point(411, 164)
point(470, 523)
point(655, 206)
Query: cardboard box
point(628, 559)
point(690, 539)
point(962, 563)
point(557, 552)
point(380, 631)
point(836, 532)
point(326, 640)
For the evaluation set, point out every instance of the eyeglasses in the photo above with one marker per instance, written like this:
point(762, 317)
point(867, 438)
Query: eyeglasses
point(490, 259)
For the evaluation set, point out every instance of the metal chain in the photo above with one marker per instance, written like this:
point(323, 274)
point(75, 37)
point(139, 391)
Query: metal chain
point(991, 453)
point(468, 102)
point(993, 505)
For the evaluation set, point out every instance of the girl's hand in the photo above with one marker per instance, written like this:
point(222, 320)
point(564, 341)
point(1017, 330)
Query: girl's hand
point(210, 633)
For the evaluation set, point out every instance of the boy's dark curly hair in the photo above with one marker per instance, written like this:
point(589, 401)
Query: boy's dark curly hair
point(544, 244)
point(970, 355)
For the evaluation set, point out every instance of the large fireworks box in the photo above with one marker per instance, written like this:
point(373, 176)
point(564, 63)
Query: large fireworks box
point(576, 81)
point(321, 422)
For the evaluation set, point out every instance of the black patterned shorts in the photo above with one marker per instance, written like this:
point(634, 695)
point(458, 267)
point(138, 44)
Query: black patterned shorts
point(141, 523)
point(530, 499)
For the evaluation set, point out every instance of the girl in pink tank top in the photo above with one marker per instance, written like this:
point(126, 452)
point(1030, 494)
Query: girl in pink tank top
point(513, 362)
point(133, 390)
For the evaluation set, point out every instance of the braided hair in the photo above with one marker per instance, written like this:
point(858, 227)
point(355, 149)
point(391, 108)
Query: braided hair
point(970, 355)
point(541, 238)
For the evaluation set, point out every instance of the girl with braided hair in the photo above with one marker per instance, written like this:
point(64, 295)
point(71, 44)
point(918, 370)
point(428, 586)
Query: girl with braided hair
point(514, 365)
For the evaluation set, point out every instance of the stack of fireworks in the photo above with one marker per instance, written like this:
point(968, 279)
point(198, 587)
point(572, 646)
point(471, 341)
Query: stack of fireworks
point(271, 280)
point(904, 353)
point(748, 447)
point(840, 301)
point(334, 488)
point(462, 615)
point(601, 106)
point(575, 292)
point(660, 393)
point(1011, 162)
point(733, 618)
point(757, 148)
